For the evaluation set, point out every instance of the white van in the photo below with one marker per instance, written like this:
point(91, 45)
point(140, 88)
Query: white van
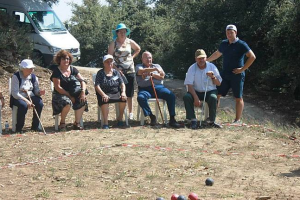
point(48, 33)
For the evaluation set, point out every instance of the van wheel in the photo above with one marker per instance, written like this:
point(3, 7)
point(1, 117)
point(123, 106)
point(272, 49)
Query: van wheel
point(38, 59)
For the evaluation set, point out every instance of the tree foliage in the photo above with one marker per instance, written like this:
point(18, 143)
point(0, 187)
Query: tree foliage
point(173, 29)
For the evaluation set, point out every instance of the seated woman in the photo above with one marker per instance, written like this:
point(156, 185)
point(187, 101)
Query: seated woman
point(25, 83)
point(110, 88)
point(62, 98)
point(2, 100)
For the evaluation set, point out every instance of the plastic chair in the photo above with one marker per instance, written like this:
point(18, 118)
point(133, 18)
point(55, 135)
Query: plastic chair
point(157, 114)
point(100, 115)
point(14, 111)
point(56, 117)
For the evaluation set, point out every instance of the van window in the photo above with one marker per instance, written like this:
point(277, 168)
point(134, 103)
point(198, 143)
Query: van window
point(21, 17)
point(46, 21)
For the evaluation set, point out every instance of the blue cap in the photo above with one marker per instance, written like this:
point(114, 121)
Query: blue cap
point(120, 26)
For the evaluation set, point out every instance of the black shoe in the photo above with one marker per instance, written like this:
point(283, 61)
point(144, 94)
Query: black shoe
point(153, 120)
point(194, 125)
point(215, 125)
point(174, 124)
point(36, 130)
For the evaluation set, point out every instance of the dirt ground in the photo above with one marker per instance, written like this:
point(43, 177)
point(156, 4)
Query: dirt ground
point(257, 161)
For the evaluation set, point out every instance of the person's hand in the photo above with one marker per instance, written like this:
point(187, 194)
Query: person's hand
point(72, 99)
point(82, 97)
point(105, 98)
point(145, 75)
point(237, 70)
point(42, 92)
point(123, 96)
point(29, 104)
point(197, 103)
point(210, 74)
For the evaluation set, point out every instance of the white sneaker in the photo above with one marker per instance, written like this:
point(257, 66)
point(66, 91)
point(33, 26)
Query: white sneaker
point(131, 116)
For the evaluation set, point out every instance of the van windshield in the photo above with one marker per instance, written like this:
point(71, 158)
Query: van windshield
point(46, 21)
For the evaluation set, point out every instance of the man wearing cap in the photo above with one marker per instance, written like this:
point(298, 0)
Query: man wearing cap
point(201, 77)
point(233, 73)
point(25, 83)
point(144, 71)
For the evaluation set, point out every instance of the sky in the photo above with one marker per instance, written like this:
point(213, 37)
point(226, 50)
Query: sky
point(63, 10)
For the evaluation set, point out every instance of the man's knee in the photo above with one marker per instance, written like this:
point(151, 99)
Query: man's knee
point(187, 97)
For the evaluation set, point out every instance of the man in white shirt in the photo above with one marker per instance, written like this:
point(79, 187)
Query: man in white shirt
point(200, 75)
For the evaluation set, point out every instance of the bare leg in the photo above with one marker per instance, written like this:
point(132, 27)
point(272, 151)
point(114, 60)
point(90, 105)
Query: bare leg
point(121, 110)
point(129, 100)
point(104, 110)
point(239, 107)
point(78, 114)
point(219, 98)
point(64, 113)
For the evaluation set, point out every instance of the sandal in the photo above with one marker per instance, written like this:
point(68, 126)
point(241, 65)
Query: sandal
point(62, 127)
point(76, 126)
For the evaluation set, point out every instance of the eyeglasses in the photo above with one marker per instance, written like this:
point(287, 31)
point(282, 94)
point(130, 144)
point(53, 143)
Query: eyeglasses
point(65, 59)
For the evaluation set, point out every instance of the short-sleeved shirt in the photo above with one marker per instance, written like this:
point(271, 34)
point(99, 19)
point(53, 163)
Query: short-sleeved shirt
point(198, 78)
point(63, 79)
point(233, 54)
point(109, 84)
point(146, 82)
point(123, 57)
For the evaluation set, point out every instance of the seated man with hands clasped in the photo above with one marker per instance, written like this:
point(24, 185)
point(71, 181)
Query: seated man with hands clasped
point(202, 77)
point(146, 91)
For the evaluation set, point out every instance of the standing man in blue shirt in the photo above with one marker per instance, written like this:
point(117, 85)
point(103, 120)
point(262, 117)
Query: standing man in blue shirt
point(233, 73)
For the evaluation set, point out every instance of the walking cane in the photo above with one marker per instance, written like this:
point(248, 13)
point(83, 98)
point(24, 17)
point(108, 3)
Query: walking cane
point(36, 112)
point(156, 98)
point(203, 103)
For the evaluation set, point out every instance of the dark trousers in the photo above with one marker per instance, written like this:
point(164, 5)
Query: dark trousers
point(22, 111)
point(146, 93)
point(211, 99)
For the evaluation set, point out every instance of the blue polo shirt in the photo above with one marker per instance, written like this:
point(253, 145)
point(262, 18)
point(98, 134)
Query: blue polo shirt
point(233, 54)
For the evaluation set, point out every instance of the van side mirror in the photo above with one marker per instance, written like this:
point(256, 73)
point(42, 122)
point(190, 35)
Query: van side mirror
point(67, 26)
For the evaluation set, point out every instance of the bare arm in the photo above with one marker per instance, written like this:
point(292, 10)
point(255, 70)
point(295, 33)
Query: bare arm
point(191, 90)
point(59, 89)
point(214, 56)
point(111, 48)
point(251, 57)
point(136, 48)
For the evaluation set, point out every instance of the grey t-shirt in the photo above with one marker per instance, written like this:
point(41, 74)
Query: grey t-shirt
point(146, 82)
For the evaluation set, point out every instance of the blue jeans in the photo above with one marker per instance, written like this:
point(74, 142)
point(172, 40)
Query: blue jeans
point(22, 110)
point(146, 93)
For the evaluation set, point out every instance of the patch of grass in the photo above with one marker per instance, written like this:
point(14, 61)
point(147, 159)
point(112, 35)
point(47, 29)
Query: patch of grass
point(79, 182)
point(44, 194)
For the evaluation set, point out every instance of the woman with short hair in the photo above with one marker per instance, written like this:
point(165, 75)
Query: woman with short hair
point(62, 98)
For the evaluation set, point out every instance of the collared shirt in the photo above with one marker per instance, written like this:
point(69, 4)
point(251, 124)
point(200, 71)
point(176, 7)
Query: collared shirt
point(198, 78)
point(233, 54)
point(146, 82)
point(26, 84)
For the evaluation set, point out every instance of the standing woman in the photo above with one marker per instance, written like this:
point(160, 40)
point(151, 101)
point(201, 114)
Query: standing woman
point(110, 88)
point(24, 83)
point(121, 48)
point(62, 99)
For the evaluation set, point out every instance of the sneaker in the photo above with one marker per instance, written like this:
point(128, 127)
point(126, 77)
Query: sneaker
point(131, 116)
point(174, 124)
point(153, 120)
point(237, 122)
point(215, 125)
point(105, 126)
point(194, 125)
point(120, 123)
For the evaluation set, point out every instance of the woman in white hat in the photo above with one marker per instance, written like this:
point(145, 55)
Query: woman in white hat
point(110, 88)
point(24, 83)
point(121, 49)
